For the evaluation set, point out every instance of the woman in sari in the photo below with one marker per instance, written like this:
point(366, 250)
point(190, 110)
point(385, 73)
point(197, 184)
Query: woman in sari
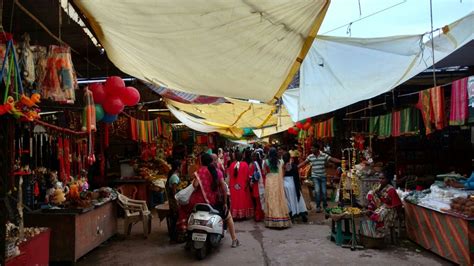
point(292, 185)
point(276, 207)
point(240, 188)
point(210, 188)
point(257, 181)
point(384, 206)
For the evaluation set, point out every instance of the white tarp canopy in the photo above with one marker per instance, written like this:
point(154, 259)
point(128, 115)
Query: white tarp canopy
point(248, 49)
point(339, 71)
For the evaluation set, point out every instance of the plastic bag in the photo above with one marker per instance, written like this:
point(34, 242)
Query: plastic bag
point(60, 79)
point(184, 195)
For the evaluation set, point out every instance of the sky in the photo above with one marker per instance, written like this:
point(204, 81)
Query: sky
point(408, 17)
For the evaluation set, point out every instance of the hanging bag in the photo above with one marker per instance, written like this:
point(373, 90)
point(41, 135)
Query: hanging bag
point(183, 196)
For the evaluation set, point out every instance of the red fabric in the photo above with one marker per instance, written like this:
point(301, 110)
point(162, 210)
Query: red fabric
point(67, 162)
point(392, 199)
point(35, 251)
point(459, 103)
point(62, 171)
point(396, 124)
point(241, 200)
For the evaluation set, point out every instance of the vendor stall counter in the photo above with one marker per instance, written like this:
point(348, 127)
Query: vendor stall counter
point(75, 234)
point(35, 251)
point(445, 234)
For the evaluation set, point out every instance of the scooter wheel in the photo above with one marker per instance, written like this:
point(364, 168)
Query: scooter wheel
point(201, 253)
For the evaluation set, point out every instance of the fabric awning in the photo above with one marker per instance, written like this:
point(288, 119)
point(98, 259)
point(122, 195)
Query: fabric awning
point(247, 49)
point(339, 71)
point(232, 117)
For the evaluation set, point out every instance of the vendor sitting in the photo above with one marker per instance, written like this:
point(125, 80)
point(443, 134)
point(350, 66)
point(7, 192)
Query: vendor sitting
point(384, 206)
point(467, 184)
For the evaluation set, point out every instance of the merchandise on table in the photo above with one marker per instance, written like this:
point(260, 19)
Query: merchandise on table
point(463, 206)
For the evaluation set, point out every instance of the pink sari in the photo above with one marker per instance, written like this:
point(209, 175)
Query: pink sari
point(205, 178)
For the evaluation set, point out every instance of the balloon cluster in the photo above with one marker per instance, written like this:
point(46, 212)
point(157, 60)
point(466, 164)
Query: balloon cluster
point(300, 125)
point(111, 98)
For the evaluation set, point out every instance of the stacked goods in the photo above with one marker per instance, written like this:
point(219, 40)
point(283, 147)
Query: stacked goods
point(352, 210)
point(464, 206)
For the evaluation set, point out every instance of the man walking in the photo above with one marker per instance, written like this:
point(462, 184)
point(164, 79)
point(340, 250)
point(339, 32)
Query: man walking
point(318, 159)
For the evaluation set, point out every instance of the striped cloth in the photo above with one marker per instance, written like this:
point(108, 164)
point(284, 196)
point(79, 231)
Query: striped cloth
point(396, 124)
point(324, 129)
point(459, 103)
point(145, 131)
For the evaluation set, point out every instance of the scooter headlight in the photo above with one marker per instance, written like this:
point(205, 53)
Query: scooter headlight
point(210, 222)
point(191, 219)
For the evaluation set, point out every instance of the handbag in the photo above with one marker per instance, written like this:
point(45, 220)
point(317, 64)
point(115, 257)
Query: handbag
point(183, 196)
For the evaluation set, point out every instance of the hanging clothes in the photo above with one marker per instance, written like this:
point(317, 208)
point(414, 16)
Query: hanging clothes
point(324, 129)
point(431, 104)
point(145, 131)
point(409, 121)
point(459, 103)
point(437, 107)
point(470, 93)
point(396, 124)
point(374, 125)
point(385, 125)
point(424, 104)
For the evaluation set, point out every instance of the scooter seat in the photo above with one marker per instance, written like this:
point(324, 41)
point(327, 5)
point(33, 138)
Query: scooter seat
point(205, 208)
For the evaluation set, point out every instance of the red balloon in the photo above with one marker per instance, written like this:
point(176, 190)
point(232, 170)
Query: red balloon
point(98, 92)
point(113, 105)
point(114, 86)
point(291, 131)
point(130, 96)
point(299, 125)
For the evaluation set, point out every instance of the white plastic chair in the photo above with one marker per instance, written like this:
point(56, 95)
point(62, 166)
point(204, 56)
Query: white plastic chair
point(135, 211)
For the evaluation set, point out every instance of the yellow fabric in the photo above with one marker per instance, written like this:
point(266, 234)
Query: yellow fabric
point(232, 116)
point(247, 49)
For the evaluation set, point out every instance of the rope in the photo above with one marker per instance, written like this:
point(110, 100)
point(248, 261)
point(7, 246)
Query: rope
point(432, 44)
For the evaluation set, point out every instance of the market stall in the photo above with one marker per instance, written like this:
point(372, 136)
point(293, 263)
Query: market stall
point(441, 219)
point(73, 234)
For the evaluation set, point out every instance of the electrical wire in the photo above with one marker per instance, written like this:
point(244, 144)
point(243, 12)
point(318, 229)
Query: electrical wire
point(362, 18)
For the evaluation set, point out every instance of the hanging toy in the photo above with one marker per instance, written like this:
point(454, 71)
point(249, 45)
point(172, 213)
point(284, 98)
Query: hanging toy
point(13, 111)
point(88, 115)
point(30, 101)
point(5, 108)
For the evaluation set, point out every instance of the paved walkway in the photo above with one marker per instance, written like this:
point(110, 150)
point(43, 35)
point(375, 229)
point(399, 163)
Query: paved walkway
point(303, 244)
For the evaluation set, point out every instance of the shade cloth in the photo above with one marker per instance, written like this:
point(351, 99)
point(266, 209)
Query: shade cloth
point(232, 117)
point(330, 81)
point(183, 97)
point(247, 49)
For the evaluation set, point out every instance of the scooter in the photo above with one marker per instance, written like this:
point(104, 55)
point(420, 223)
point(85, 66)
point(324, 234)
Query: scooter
point(205, 229)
